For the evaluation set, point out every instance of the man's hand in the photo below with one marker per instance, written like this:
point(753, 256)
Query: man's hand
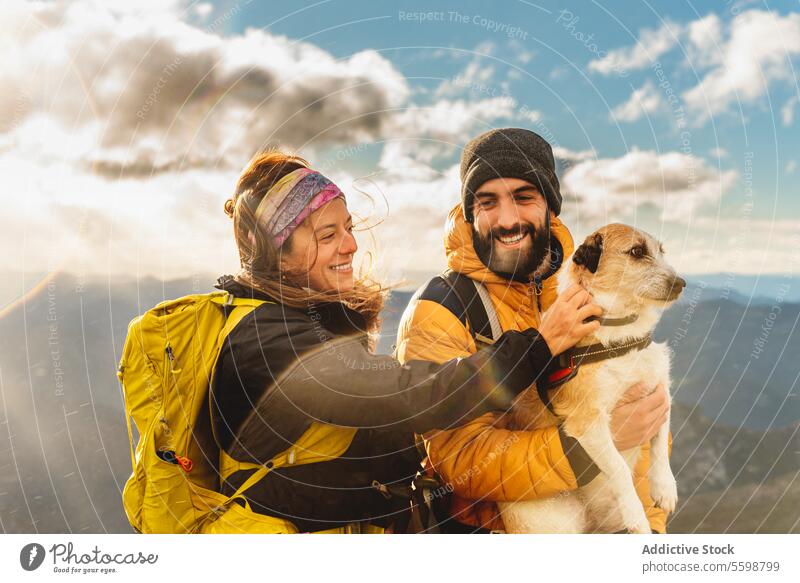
point(562, 324)
point(638, 415)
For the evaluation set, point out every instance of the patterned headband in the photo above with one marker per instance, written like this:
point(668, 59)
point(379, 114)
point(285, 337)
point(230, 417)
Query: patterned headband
point(291, 199)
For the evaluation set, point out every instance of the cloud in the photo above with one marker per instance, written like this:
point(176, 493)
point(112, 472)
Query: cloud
point(737, 245)
point(650, 45)
point(474, 78)
point(703, 37)
point(158, 93)
point(424, 134)
point(718, 152)
point(757, 53)
point(520, 52)
point(675, 184)
point(203, 9)
point(787, 111)
point(737, 61)
point(451, 119)
point(558, 73)
point(170, 225)
point(643, 101)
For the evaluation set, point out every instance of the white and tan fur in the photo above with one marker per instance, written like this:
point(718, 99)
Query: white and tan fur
point(621, 284)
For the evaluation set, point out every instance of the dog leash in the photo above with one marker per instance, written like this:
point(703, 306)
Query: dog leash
point(565, 367)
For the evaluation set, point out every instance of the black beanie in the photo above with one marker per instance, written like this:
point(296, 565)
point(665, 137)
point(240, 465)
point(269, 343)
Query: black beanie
point(509, 153)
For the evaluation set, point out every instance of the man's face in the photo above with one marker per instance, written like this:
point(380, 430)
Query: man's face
point(510, 227)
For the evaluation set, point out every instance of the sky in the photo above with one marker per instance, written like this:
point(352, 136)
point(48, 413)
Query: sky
point(123, 128)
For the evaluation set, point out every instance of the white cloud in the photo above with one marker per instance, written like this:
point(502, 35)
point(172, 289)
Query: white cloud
point(787, 111)
point(675, 184)
point(737, 61)
point(520, 52)
point(757, 52)
point(573, 156)
point(203, 9)
point(650, 45)
point(558, 74)
point(532, 115)
point(704, 36)
point(486, 47)
point(474, 78)
point(643, 101)
point(736, 245)
point(159, 94)
point(451, 120)
point(718, 153)
point(791, 166)
point(170, 225)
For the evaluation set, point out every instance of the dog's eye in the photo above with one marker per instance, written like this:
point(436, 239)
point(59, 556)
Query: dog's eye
point(637, 252)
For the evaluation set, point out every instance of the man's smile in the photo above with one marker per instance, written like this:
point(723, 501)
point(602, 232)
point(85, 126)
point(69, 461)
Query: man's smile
point(511, 241)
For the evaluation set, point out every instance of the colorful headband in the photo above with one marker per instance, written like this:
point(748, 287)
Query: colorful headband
point(291, 199)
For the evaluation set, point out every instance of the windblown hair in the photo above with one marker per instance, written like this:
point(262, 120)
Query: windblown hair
point(260, 258)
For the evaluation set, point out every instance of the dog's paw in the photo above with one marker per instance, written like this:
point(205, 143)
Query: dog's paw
point(634, 518)
point(663, 490)
point(640, 527)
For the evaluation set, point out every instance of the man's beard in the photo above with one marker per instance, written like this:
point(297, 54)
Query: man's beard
point(514, 264)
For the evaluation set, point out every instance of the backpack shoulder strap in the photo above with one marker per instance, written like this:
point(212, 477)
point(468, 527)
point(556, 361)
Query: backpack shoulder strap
point(488, 306)
point(235, 310)
point(462, 296)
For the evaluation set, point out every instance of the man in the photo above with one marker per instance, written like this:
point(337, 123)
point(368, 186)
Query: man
point(505, 234)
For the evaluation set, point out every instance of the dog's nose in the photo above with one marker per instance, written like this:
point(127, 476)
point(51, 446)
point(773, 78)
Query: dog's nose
point(679, 283)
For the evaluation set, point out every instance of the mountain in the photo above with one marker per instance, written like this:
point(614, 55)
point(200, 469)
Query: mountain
point(708, 456)
point(759, 508)
point(64, 454)
point(738, 363)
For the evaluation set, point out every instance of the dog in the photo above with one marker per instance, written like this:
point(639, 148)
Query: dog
point(623, 268)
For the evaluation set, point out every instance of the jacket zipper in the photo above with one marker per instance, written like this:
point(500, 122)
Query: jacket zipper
point(535, 290)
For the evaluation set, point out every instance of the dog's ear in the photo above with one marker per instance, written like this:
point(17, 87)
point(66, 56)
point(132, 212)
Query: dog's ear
point(588, 254)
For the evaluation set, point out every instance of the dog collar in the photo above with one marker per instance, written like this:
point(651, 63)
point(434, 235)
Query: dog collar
point(565, 367)
point(624, 321)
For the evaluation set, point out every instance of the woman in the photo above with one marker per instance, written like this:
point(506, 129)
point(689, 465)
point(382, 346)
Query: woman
point(301, 360)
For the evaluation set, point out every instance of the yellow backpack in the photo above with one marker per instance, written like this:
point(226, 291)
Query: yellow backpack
point(166, 368)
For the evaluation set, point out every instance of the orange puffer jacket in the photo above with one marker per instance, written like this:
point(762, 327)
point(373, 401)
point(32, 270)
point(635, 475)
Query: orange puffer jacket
point(483, 461)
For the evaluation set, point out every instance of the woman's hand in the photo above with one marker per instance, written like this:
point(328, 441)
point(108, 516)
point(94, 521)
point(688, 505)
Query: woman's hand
point(563, 324)
point(638, 415)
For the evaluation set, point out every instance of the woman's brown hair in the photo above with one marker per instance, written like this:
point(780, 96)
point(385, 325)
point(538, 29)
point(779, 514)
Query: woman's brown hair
point(260, 258)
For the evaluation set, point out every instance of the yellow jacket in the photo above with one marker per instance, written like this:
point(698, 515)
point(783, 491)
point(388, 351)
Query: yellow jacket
point(483, 461)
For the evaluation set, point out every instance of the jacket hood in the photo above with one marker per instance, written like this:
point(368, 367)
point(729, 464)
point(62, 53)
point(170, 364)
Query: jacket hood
point(461, 255)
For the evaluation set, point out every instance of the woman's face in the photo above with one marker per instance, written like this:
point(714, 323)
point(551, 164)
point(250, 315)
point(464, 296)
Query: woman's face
point(321, 249)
